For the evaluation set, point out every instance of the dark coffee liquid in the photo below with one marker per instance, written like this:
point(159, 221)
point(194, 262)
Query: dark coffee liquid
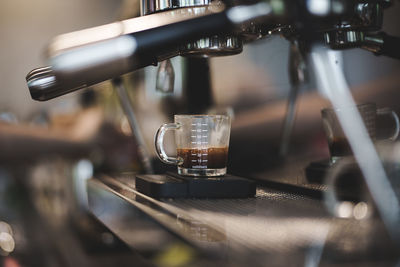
point(204, 158)
point(340, 147)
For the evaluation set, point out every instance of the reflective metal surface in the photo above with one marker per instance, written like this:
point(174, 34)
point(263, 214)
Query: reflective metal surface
point(344, 38)
point(126, 105)
point(275, 228)
point(205, 47)
point(165, 78)
point(152, 6)
point(297, 69)
point(213, 46)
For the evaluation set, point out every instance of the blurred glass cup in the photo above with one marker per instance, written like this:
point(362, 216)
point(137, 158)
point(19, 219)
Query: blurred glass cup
point(347, 194)
point(337, 141)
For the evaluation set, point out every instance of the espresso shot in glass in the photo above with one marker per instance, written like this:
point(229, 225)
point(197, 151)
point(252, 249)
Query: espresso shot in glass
point(202, 143)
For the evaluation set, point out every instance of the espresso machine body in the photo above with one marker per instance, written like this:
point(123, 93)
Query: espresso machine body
point(285, 223)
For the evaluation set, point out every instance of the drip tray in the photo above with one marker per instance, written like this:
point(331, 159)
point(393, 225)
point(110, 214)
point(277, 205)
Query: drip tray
point(173, 185)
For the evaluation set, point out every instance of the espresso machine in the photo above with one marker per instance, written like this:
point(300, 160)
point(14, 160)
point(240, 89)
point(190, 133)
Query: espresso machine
point(236, 231)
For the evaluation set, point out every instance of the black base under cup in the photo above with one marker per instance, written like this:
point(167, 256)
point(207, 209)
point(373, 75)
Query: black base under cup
point(316, 171)
point(173, 185)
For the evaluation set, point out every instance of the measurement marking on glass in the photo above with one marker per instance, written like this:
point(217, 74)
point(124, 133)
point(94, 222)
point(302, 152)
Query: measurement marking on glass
point(204, 136)
point(204, 130)
point(199, 167)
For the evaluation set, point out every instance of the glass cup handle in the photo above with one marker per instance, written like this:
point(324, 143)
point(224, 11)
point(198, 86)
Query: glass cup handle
point(387, 111)
point(159, 143)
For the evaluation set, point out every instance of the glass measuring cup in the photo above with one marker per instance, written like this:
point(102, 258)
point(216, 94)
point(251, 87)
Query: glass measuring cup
point(202, 143)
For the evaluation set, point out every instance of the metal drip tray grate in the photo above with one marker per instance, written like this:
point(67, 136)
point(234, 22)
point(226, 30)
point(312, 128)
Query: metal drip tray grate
point(277, 226)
